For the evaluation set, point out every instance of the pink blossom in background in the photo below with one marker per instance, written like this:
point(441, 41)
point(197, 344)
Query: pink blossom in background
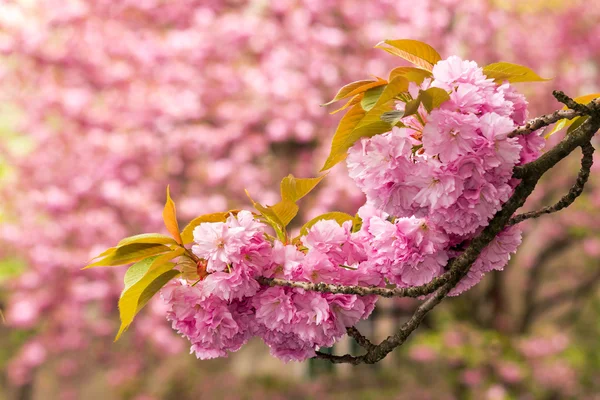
point(119, 99)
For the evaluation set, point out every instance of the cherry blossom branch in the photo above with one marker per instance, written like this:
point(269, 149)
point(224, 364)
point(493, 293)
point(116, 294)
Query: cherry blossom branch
point(593, 108)
point(584, 173)
point(414, 291)
point(529, 174)
point(543, 121)
point(575, 110)
point(360, 338)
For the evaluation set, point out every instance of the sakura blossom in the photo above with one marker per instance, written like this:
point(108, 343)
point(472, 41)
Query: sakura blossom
point(421, 207)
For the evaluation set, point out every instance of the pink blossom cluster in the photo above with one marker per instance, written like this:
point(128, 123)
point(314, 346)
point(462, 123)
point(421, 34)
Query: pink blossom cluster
point(444, 174)
point(110, 92)
point(221, 312)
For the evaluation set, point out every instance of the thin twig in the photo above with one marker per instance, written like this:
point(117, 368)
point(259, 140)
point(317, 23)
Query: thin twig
point(543, 121)
point(360, 338)
point(584, 173)
point(569, 102)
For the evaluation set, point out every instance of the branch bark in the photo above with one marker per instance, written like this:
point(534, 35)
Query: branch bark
point(439, 288)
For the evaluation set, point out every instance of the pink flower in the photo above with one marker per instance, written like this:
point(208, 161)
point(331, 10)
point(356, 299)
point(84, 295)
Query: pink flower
point(326, 236)
point(453, 70)
point(274, 308)
point(212, 326)
point(234, 285)
point(449, 134)
point(216, 243)
point(286, 261)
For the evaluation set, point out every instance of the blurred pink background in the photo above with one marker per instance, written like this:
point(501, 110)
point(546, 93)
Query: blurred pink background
point(105, 102)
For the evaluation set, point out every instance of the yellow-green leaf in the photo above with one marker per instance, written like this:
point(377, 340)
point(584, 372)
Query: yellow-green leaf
point(393, 117)
point(270, 218)
point(353, 126)
point(433, 97)
point(138, 270)
point(418, 53)
point(187, 235)
point(170, 218)
point(396, 86)
point(189, 269)
point(355, 88)
point(269, 215)
point(412, 107)
point(105, 253)
point(147, 238)
point(337, 216)
point(374, 114)
point(354, 100)
point(586, 99)
point(503, 71)
point(130, 253)
point(294, 189)
point(134, 298)
point(557, 127)
point(412, 74)
point(576, 123)
point(370, 97)
point(563, 123)
point(285, 211)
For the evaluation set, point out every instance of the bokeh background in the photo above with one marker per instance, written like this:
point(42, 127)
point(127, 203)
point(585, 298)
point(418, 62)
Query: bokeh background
point(105, 102)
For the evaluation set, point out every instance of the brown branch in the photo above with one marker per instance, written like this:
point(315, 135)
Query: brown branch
point(543, 121)
point(529, 174)
point(534, 170)
point(414, 291)
point(569, 102)
point(584, 173)
point(360, 338)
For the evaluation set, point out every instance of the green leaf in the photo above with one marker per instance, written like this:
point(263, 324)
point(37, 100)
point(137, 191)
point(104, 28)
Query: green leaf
point(412, 107)
point(586, 99)
point(353, 126)
point(270, 218)
point(503, 71)
point(433, 97)
point(396, 86)
point(134, 298)
point(354, 100)
point(106, 252)
point(374, 116)
point(412, 74)
point(563, 123)
point(189, 269)
point(370, 97)
point(138, 270)
point(170, 218)
point(576, 123)
point(285, 211)
point(156, 238)
point(130, 253)
point(187, 235)
point(558, 126)
point(294, 189)
point(418, 53)
point(392, 117)
point(355, 88)
point(337, 216)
